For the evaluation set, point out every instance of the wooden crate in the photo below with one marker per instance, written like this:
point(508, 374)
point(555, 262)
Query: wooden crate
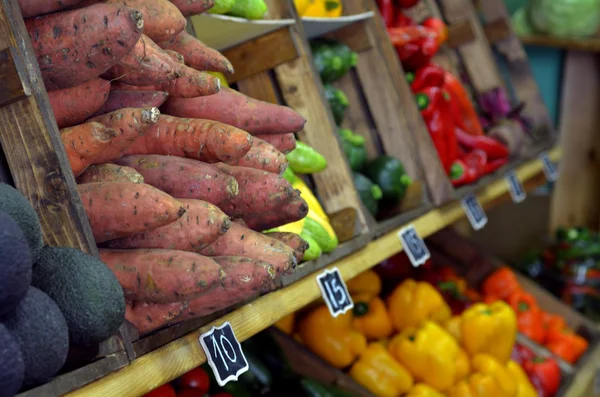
point(34, 161)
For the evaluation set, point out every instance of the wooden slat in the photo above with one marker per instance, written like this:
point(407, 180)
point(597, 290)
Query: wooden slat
point(354, 36)
point(33, 148)
point(497, 30)
point(261, 54)
point(459, 34)
point(14, 84)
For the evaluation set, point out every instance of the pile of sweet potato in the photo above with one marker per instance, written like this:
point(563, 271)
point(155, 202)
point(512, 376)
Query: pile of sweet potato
point(176, 201)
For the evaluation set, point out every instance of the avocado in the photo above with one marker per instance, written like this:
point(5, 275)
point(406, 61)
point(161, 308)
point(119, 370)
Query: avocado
point(85, 290)
point(332, 59)
point(16, 205)
point(15, 264)
point(338, 102)
point(12, 367)
point(369, 193)
point(42, 334)
point(388, 172)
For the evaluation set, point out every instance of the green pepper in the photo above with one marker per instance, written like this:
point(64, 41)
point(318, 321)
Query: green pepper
point(369, 193)
point(353, 146)
point(388, 172)
point(306, 160)
point(338, 102)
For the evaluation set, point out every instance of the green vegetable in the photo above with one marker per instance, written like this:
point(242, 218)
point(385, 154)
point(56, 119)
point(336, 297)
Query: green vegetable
point(338, 102)
point(332, 59)
point(353, 146)
point(317, 231)
point(388, 172)
point(249, 9)
point(12, 367)
point(222, 6)
point(306, 160)
point(314, 250)
point(258, 378)
point(289, 175)
point(565, 18)
point(369, 193)
point(15, 270)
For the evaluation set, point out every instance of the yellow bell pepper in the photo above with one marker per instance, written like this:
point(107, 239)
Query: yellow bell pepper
point(429, 353)
point(422, 390)
point(478, 385)
point(332, 338)
point(286, 324)
point(412, 303)
point(524, 388)
point(452, 326)
point(378, 372)
point(371, 317)
point(323, 9)
point(488, 365)
point(463, 365)
point(367, 282)
point(301, 5)
point(489, 329)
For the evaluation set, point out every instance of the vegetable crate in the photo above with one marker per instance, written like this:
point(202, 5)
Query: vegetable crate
point(472, 263)
point(509, 104)
point(33, 159)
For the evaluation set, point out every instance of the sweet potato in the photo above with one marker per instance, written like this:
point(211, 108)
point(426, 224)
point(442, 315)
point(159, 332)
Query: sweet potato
point(184, 178)
point(262, 156)
point(74, 104)
point(203, 140)
point(263, 194)
point(177, 57)
point(201, 225)
point(146, 64)
point(243, 280)
point(131, 123)
point(193, 7)
point(241, 241)
point(196, 54)
point(109, 173)
point(285, 143)
point(85, 142)
point(292, 240)
point(238, 110)
point(33, 8)
point(191, 84)
point(75, 46)
point(119, 209)
point(163, 276)
point(132, 99)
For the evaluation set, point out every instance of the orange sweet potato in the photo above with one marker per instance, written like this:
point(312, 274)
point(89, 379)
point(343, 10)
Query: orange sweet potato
point(241, 241)
point(75, 46)
point(85, 142)
point(193, 7)
point(293, 209)
point(109, 173)
point(119, 209)
point(162, 276)
point(238, 110)
point(196, 54)
point(292, 240)
point(131, 123)
point(184, 178)
point(146, 64)
point(203, 140)
point(132, 99)
point(191, 84)
point(262, 156)
point(177, 57)
point(147, 317)
point(201, 225)
point(285, 143)
point(33, 8)
point(73, 105)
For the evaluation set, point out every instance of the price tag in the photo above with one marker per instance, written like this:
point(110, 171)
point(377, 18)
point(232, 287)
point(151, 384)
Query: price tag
point(475, 213)
point(413, 245)
point(224, 353)
point(334, 291)
point(517, 192)
point(550, 169)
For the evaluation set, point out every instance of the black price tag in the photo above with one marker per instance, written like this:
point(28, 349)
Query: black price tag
point(475, 213)
point(413, 245)
point(224, 353)
point(517, 192)
point(334, 291)
point(550, 169)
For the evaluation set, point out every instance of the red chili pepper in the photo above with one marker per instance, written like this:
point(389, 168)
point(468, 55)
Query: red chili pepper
point(493, 148)
point(402, 20)
point(428, 47)
point(388, 11)
point(407, 3)
point(401, 36)
point(439, 27)
point(476, 160)
point(430, 75)
point(545, 371)
point(493, 165)
point(461, 173)
point(463, 107)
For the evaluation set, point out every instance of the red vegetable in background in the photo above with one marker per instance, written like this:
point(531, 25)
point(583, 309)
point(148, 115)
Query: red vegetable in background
point(439, 27)
point(463, 107)
point(388, 11)
point(406, 3)
point(428, 76)
point(196, 379)
point(545, 372)
point(490, 146)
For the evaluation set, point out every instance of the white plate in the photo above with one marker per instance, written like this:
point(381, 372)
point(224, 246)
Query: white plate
point(315, 27)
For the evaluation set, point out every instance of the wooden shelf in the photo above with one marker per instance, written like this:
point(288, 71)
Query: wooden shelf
point(591, 44)
point(174, 359)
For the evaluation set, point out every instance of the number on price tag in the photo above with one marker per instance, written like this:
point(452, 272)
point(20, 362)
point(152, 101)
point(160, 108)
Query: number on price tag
point(334, 291)
point(550, 169)
point(517, 192)
point(224, 353)
point(413, 245)
point(475, 213)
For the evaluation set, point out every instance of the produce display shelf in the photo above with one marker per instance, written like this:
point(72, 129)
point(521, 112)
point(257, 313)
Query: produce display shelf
point(591, 44)
point(183, 354)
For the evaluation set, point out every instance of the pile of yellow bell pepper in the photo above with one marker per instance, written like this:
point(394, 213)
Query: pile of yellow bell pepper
point(319, 8)
point(409, 345)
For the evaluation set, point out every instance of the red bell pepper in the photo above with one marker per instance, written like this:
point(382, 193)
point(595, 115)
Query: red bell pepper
point(388, 11)
point(463, 107)
point(529, 315)
point(430, 75)
point(476, 160)
point(414, 44)
point(545, 372)
point(493, 148)
point(407, 3)
point(402, 20)
point(439, 27)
